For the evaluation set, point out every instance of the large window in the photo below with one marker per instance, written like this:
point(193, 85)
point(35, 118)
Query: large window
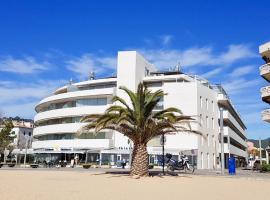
point(79, 102)
point(64, 120)
point(69, 136)
point(91, 102)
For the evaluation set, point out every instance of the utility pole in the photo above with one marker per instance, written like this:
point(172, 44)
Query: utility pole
point(221, 139)
point(25, 152)
point(163, 156)
point(260, 146)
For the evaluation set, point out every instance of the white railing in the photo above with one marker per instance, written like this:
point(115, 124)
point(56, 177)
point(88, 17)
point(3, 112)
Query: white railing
point(265, 91)
point(264, 69)
point(58, 128)
point(266, 115)
point(78, 94)
point(70, 112)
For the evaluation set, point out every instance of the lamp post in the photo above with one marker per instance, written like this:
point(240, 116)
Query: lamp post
point(25, 152)
point(260, 145)
point(221, 139)
point(162, 142)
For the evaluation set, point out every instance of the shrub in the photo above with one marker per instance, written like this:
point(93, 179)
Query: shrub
point(86, 166)
point(266, 167)
point(150, 166)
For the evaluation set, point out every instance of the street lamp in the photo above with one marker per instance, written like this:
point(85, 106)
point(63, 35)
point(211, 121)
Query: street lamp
point(221, 139)
point(162, 142)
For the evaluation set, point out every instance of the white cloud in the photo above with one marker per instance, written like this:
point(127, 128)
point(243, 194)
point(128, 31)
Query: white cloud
point(242, 71)
point(25, 110)
point(235, 53)
point(19, 99)
point(166, 39)
point(26, 65)
point(203, 56)
point(89, 62)
point(238, 85)
point(211, 73)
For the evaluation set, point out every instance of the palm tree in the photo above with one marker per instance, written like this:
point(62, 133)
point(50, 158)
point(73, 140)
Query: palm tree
point(139, 122)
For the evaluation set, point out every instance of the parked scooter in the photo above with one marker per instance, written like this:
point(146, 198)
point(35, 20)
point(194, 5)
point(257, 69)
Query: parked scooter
point(182, 164)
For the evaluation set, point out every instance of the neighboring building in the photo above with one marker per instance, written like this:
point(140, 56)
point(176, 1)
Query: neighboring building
point(22, 132)
point(265, 147)
point(58, 117)
point(265, 73)
point(23, 135)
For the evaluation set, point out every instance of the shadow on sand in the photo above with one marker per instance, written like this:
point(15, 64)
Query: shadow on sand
point(151, 174)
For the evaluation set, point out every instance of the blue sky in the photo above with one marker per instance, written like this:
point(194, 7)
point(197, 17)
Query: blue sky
point(45, 43)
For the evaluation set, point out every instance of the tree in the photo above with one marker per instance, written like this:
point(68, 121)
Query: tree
point(139, 122)
point(5, 135)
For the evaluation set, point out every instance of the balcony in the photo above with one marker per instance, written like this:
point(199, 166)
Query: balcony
point(58, 128)
point(233, 122)
point(77, 144)
point(265, 49)
point(265, 71)
point(266, 115)
point(69, 112)
point(266, 94)
point(103, 92)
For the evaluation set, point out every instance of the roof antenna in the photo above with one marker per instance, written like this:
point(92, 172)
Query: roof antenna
point(92, 75)
point(178, 67)
point(70, 81)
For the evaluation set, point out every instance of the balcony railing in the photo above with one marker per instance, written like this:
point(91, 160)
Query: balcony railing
point(265, 92)
point(265, 71)
point(266, 115)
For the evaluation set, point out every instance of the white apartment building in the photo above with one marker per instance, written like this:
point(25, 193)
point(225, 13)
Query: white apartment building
point(58, 117)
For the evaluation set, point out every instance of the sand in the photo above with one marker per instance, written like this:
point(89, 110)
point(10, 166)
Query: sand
point(77, 185)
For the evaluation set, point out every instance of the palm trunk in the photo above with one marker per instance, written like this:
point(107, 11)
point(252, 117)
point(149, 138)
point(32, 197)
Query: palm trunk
point(139, 164)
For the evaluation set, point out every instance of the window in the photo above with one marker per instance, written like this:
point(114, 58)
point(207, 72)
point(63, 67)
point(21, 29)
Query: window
point(207, 122)
point(213, 107)
point(201, 120)
point(206, 103)
point(213, 123)
point(208, 140)
point(201, 101)
point(91, 102)
point(29, 133)
point(213, 140)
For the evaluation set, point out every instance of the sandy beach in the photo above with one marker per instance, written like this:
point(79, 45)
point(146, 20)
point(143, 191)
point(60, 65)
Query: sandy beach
point(44, 185)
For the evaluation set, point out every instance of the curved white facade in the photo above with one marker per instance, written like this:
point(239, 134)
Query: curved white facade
point(58, 117)
point(264, 50)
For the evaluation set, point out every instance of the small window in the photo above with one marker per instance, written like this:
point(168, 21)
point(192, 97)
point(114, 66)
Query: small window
point(207, 122)
point(201, 101)
point(206, 104)
point(29, 133)
point(213, 107)
point(24, 133)
point(213, 123)
point(201, 120)
point(208, 140)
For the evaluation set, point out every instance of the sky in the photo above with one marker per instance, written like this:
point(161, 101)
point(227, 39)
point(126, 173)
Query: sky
point(45, 43)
